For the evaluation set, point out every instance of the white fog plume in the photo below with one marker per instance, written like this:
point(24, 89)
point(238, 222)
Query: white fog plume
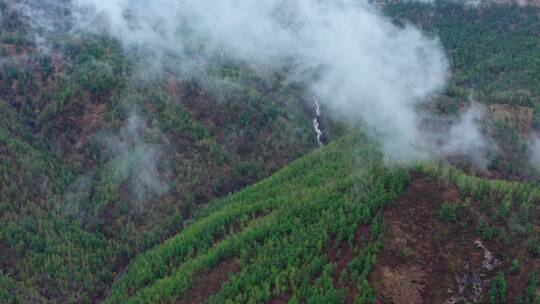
point(534, 149)
point(44, 16)
point(136, 161)
point(466, 138)
point(356, 61)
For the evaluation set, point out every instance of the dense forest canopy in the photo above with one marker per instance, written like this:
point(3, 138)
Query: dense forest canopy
point(134, 164)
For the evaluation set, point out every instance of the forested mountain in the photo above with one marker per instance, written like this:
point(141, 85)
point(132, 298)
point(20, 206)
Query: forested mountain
point(98, 167)
point(324, 231)
point(494, 55)
point(200, 179)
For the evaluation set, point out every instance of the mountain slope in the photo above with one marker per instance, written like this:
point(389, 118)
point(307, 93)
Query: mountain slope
point(494, 56)
point(97, 165)
point(313, 232)
point(277, 232)
point(114, 184)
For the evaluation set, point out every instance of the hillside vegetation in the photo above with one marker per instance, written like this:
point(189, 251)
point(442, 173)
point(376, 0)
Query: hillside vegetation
point(119, 186)
point(313, 232)
point(493, 51)
point(97, 165)
point(278, 233)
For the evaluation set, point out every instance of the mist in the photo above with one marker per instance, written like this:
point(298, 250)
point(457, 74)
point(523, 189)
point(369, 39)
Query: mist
point(134, 160)
point(534, 149)
point(465, 137)
point(355, 60)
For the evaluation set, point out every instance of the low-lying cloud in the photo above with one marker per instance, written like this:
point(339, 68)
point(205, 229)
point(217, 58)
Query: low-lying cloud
point(353, 58)
point(134, 160)
point(534, 149)
point(465, 138)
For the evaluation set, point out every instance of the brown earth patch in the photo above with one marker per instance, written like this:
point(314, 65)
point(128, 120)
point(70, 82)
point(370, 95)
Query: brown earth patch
point(9, 257)
point(342, 255)
point(284, 299)
point(209, 282)
point(424, 259)
point(87, 125)
point(521, 116)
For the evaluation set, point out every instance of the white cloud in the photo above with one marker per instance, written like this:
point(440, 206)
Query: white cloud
point(465, 138)
point(355, 59)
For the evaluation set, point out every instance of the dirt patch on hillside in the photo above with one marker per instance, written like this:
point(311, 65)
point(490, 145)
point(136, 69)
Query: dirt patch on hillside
point(342, 255)
point(209, 282)
point(424, 259)
point(522, 117)
point(89, 123)
point(284, 299)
